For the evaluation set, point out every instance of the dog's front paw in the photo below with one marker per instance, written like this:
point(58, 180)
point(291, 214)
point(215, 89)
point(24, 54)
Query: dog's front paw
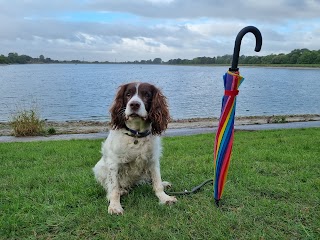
point(168, 200)
point(115, 209)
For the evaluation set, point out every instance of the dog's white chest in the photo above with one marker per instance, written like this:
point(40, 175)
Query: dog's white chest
point(125, 149)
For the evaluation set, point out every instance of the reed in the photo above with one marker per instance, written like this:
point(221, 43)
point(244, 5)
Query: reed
point(27, 122)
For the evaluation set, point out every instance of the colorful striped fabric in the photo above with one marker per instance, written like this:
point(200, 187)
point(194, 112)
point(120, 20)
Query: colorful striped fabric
point(224, 136)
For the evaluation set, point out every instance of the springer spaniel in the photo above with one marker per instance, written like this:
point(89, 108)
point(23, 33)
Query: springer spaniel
point(131, 153)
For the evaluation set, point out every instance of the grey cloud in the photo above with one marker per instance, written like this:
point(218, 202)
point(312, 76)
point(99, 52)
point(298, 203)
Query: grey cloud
point(167, 29)
point(228, 9)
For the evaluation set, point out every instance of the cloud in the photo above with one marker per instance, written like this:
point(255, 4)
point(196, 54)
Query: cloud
point(134, 30)
point(222, 9)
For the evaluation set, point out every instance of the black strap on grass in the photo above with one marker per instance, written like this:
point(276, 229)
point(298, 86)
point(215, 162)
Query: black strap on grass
point(193, 190)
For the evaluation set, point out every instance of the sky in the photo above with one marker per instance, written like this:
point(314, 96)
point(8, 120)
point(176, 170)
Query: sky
point(128, 30)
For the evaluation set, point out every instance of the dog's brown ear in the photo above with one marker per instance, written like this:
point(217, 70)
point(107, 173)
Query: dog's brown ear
point(159, 112)
point(117, 109)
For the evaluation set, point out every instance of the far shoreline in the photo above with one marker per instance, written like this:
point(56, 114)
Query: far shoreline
point(280, 66)
point(87, 127)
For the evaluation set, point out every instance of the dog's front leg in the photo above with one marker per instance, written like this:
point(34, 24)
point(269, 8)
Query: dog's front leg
point(158, 186)
point(113, 193)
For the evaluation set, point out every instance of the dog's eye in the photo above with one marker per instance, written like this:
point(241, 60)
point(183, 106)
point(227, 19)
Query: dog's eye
point(147, 95)
point(128, 94)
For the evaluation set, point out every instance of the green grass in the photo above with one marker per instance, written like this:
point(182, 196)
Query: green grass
point(47, 191)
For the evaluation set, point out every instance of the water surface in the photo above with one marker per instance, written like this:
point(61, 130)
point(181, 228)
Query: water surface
point(86, 91)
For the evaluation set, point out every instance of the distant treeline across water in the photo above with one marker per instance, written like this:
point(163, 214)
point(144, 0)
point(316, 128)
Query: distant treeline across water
point(297, 56)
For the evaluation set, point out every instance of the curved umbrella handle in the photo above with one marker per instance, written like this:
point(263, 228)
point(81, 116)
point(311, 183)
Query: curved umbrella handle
point(237, 44)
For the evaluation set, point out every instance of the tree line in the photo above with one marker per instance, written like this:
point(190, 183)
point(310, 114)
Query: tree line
point(15, 58)
point(297, 56)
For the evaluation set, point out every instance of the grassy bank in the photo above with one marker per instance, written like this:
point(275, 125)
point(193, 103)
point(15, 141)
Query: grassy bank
point(255, 65)
point(282, 65)
point(272, 192)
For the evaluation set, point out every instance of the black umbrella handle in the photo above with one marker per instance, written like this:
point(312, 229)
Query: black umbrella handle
point(237, 44)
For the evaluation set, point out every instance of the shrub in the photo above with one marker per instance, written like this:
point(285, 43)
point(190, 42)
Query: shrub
point(27, 123)
point(52, 131)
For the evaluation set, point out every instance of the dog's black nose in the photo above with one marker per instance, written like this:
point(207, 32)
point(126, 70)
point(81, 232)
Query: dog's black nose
point(135, 105)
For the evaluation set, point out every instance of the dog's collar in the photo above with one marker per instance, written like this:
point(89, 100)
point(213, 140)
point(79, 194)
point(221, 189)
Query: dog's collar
point(137, 134)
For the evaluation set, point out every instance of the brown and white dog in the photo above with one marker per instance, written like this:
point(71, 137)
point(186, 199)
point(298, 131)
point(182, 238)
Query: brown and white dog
point(131, 153)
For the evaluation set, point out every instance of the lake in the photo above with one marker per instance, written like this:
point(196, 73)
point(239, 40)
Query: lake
point(63, 92)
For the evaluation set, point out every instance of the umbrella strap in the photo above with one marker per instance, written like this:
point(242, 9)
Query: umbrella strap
point(193, 190)
point(231, 92)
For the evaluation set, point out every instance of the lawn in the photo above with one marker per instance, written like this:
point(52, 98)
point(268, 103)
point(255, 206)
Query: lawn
point(48, 191)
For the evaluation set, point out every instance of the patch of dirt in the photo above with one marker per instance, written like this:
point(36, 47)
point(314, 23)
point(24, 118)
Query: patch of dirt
point(83, 127)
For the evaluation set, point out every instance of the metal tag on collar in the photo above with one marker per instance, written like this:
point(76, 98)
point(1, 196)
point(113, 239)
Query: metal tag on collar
point(136, 138)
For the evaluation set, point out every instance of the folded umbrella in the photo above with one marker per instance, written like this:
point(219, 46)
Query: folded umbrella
point(224, 136)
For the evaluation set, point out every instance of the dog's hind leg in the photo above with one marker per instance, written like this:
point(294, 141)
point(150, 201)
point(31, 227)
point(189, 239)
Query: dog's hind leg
point(166, 184)
point(100, 172)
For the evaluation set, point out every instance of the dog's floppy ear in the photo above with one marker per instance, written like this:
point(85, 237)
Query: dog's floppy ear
point(117, 109)
point(159, 112)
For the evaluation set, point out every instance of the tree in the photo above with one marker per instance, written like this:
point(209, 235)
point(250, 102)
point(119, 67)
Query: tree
point(293, 58)
point(41, 57)
point(22, 59)
point(157, 61)
point(307, 57)
point(267, 59)
point(13, 57)
point(48, 60)
point(3, 59)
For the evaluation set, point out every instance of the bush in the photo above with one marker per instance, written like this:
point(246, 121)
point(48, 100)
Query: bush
point(27, 123)
point(52, 131)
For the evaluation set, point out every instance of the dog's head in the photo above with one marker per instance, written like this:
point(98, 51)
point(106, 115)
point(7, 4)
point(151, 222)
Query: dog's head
point(140, 100)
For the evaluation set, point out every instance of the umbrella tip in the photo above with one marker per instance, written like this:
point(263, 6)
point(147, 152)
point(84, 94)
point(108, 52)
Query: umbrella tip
point(217, 202)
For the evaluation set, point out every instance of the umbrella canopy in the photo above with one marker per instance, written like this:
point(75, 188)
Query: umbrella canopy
point(224, 137)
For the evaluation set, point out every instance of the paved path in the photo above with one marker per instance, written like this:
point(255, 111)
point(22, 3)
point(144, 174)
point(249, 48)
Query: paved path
point(169, 132)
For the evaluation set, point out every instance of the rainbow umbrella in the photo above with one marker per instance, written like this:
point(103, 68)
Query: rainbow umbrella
point(224, 136)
